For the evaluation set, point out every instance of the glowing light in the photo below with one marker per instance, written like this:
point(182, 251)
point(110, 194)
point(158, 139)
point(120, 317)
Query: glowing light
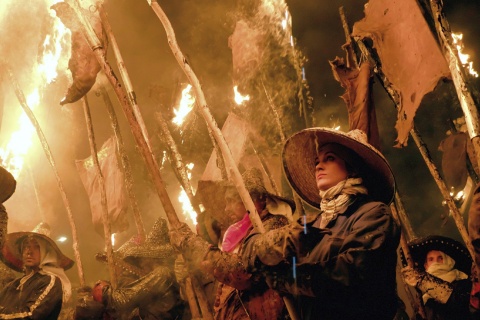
point(187, 206)
point(186, 105)
point(239, 99)
point(464, 58)
point(189, 169)
point(113, 239)
point(16, 149)
point(62, 239)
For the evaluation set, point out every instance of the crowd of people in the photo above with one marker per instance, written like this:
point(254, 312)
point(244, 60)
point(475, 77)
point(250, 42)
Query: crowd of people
point(336, 262)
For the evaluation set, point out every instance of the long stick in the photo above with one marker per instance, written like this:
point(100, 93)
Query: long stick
point(450, 52)
point(123, 72)
point(422, 147)
point(135, 127)
point(125, 164)
point(107, 231)
point(48, 153)
point(235, 175)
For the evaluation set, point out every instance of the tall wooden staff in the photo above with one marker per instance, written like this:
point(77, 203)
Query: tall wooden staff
point(48, 153)
point(232, 169)
point(450, 52)
point(107, 231)
point(235, 175)
point(125, 103)
point(125, 163)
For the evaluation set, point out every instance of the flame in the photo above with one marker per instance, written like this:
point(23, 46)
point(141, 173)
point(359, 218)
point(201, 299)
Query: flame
point(239, 99)
point(13, 154)
point(112, 238)
point(464, 58)
point(187, 208)
point(186, 105)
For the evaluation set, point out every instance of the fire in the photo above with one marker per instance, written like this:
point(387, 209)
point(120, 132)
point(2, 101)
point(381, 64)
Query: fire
point(464, 58)
point(186, 105)
point(239, 99)
point(13, 154)
point(187, 208)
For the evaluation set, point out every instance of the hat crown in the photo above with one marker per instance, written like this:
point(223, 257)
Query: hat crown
point(253, 180)
point(358, 135)
point(159, 232)
point(43, 228)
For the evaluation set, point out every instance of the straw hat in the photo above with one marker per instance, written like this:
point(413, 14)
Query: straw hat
point(212, 194)
point(457, 251)
point(299, 155)
point(7, 184)
point(11, 253)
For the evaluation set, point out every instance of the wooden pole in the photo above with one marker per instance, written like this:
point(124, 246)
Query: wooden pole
point(422, 147)
point(127, 169)
point(299, 211)
point(48, 153)
point(235, 175)
point(135, 127)
point(465, 97)
point(232, 169)
point(107, 232)
point(123, 72)
point(176, 160)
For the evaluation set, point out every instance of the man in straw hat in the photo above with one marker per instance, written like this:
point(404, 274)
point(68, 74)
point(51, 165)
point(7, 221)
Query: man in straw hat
point(147, 287)
point(341, 263)
point(441, 275)
point(241, 295)
point(40, 292)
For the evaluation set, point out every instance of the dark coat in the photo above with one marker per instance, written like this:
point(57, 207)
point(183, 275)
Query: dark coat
point(457, 306)
point(40, 298)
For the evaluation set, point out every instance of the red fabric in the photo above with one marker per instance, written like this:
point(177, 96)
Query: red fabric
point(114, 185)
point(411, 58)
point(235, 233)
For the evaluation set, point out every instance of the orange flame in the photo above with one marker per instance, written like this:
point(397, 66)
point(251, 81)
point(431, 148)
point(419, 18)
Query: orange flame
point(464, 58)
point(187, 208)
point(186, 105)
point(239, 98)
point(14, 153)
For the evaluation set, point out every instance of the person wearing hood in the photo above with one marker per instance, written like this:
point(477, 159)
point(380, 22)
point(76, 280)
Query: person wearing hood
point(44, 286)
point(240, 294)
point(441, 276)
point(341, 262)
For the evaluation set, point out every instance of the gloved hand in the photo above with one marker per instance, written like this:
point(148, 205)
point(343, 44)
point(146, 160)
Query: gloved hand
point(280, 244)
point(190, 245)
point(412, 276)
point(87, 307)
point(428, 284)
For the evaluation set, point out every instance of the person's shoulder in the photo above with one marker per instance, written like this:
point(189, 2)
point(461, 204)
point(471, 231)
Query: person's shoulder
point(367, 207)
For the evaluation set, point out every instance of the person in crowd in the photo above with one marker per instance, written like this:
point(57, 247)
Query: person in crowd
point(441, 275)
point(474, 234)
point(7, 188)
point(44, 286)
point(339, 264)
point(147, 288)
point(239, 295)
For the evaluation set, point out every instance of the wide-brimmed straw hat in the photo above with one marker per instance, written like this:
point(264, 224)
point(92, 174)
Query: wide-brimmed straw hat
point(212, 194)
point(299, 155)
point(7, 184)
point(11, 253)
point(457, 251)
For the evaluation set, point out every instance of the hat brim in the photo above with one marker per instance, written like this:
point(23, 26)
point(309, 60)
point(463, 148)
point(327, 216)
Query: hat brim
point(12, 256)
point(7, 184)
point(299, 155)
point(457, 251)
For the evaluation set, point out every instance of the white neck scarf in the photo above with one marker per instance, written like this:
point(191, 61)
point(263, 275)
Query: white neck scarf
point(336, 199)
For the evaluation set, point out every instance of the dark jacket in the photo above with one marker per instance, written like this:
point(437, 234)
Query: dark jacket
point(350, 273)
point(457, 306)
point(39, 298)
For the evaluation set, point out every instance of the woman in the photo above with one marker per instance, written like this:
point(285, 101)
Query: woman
point(346, 256)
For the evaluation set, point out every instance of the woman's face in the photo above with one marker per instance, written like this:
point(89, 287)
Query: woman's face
point(330, 169)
